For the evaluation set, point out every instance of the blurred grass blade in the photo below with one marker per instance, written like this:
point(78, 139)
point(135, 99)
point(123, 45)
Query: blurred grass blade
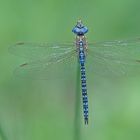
point(2, 135)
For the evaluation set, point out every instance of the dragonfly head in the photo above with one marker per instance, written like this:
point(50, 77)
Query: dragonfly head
point(80, 29)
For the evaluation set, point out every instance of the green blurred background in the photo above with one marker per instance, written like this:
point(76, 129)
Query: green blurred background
point(41, 110)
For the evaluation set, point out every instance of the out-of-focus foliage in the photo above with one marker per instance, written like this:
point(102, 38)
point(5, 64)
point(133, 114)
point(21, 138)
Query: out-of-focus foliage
point(38, 110)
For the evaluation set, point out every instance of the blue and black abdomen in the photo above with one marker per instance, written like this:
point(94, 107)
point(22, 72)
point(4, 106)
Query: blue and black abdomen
point(83, 83)
point(84, 93)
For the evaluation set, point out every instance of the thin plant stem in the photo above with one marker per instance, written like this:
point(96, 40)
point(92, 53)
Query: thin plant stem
point(77, 105)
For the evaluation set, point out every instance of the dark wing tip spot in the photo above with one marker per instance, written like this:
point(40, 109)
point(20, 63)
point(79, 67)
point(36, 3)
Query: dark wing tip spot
point(25, 64)
point(20, 43)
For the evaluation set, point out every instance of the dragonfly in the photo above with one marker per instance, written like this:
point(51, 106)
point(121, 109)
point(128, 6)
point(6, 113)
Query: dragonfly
point(102, 58)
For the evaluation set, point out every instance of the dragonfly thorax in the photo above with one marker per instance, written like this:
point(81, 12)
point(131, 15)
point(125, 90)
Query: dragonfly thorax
point(80, 43)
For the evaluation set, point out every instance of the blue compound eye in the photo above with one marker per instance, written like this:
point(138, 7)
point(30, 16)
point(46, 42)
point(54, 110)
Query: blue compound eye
point(80, 29)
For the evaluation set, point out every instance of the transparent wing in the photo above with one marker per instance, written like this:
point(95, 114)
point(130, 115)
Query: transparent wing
point(37, 51)
point(114, 57)
point(54, 67)
point(44, 59)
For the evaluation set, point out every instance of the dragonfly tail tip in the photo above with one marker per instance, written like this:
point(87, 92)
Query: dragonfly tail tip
point(86, 121)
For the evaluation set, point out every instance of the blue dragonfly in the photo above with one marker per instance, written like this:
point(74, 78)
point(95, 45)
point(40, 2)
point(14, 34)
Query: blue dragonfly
point(109, 58)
